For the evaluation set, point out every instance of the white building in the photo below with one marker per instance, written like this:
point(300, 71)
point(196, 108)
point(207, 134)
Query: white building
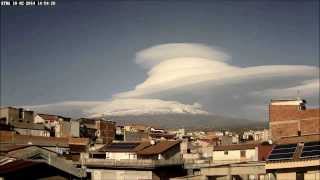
point(122, 150)
point(241, 152)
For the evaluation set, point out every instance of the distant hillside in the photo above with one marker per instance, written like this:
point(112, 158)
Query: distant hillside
point(188, 121)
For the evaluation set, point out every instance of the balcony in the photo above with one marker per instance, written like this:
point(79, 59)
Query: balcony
point(130, 163)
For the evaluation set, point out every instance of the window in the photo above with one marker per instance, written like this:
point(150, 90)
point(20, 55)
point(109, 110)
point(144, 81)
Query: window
point(20, 113)
point(243, 153)
point(107, 155)
point(226, 152)
point(299, 133)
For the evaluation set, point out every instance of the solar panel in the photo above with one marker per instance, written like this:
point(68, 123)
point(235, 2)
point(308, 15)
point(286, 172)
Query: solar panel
point(123, 145)
point(317, 143)
point(309, 154)
point(277, 151)
point(311, 148)
point(282, 152)
point(280, 156)
point(285, 146)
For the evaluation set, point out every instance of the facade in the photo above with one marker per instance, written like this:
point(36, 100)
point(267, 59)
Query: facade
point(74, 128)
point(241, 152)
point(30, 129)
point(100, 130)
point(106, 130)
point(290, 117)
point(8, 115)
point(60, 125)
point(121, 150)
point(135, 136)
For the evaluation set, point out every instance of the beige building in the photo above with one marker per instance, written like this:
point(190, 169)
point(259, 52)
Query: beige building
point(240, 152)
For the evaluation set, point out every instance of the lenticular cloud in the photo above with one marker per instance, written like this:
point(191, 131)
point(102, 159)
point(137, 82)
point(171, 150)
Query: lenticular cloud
point(181, 66)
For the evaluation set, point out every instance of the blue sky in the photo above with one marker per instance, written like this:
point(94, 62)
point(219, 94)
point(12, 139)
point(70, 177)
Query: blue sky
point(87, 52)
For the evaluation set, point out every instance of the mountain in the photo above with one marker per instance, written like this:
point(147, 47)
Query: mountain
point(188, 121)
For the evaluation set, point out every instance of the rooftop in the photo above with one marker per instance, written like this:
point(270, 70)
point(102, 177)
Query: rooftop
point(158, 148)
point(24, 125)
point(295, 152)
point(124, 147)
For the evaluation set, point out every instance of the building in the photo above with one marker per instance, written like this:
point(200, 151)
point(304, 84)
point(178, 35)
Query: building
point(120, 150)
point(241, 152)
point(136, 136)
point(98, 130)
point(59, 145)
point(295, 130)
point(32, 162)
point(106, 130)
point(161, 136)
point(290, 117)
point(161, 150)
point(135, 127)
point(74, 128)
point(8, 115)
point(119, 136)
point(296, 158)
point(30, 129)
point(60, 126)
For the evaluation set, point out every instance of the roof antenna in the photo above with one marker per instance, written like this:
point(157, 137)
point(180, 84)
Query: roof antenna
point(298, 94)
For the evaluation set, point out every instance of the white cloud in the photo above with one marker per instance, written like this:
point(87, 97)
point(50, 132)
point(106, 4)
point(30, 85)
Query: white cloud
point(183, 66)
point(120, 107)
point(181, 74)
point(307, 88)
point(152, 56)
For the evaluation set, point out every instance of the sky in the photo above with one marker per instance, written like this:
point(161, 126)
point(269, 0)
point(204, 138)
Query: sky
point(131, 57)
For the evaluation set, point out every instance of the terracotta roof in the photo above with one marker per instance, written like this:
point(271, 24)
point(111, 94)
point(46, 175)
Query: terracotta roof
point(11, 147)
point(41, 141)
point(124, 147)
point(16, 165)
point(159, 135)
point(234, 147)
point(79, 141)
point(49, 117)
point(158, 148)
point(10, 137)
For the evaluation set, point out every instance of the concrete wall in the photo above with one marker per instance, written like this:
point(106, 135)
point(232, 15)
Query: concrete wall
point(32, 132)
point(62, 128)
point(121, 155)
point(312, 175)
point(172, 153)
point(286, 176)
point(251, 154)
point(75, 129)
point(122, 175)
point(38, 119)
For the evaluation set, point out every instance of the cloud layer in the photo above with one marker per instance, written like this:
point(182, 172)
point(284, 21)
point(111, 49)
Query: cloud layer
point(182, 74)
point(119, 107)
point(183, 66)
